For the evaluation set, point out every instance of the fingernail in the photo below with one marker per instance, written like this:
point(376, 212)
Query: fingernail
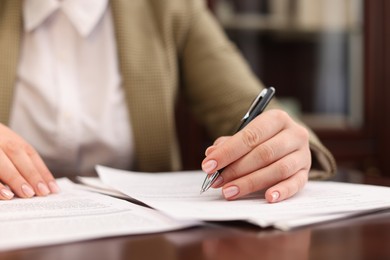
point(209, 166)
point(54, 187)
point(275, 196)
point(28, 191)
point(7, 193)
point(230, 192)
point(43, 189)
point(217, 182)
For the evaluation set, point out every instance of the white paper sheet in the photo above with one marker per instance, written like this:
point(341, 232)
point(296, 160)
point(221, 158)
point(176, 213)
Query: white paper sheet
point(177, 194)
point(95, 184)
point(74, 215)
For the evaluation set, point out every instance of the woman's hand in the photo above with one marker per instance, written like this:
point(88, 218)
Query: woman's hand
point(271, 152)
point(22, 171)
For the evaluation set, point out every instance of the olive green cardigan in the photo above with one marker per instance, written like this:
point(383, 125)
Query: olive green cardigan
point(164, 46)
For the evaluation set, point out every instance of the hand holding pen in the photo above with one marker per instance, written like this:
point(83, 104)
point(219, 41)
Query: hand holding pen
point(270, 152)
point(256, 108)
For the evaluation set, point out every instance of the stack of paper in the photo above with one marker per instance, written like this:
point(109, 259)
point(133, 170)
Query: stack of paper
point(75, 215)
point(177, 195)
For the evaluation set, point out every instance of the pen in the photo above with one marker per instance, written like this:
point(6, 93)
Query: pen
point(256, 108)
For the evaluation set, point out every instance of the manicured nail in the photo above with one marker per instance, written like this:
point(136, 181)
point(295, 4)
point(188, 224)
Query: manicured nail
point(54, 187)
point(7, 193)
point(217, 182)
point(230, 192)
point(275, 196)
point(43, 189)
point(209, 166)
point(28, 191)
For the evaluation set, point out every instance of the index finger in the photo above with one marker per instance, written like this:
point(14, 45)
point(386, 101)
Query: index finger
point(45, 173)
point(262, 128)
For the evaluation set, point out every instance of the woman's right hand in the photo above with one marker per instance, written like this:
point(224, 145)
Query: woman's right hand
point(22, 171)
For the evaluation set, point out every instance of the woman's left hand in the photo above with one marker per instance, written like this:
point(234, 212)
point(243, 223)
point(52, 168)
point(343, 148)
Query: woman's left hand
point(271, 152)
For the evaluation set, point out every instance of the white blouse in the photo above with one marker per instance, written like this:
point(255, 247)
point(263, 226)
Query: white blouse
point(69, 103)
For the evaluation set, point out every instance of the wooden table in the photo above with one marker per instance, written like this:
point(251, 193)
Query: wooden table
point(364, 237)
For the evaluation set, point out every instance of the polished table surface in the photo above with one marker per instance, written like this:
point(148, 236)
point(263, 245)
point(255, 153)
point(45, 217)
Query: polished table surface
point(364, 237)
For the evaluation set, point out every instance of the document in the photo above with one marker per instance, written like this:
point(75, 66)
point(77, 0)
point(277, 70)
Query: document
point(177, 194)
point(94, 184)
point(74, 215)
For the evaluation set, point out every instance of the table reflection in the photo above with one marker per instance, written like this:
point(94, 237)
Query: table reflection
point(223, 243)
point(275, 246)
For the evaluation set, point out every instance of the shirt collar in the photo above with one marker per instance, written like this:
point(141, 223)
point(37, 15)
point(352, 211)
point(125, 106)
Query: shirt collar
point(83, 14)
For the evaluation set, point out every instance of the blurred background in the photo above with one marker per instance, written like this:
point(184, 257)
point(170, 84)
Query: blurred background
point(327, 59)
point(311, 50)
